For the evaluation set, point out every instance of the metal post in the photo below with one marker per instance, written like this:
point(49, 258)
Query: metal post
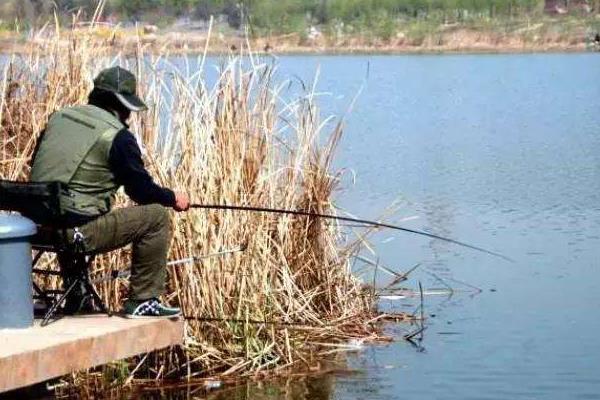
point(16, 298)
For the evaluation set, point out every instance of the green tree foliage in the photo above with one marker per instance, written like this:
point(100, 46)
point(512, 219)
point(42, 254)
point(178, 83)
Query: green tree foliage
point(282, 15)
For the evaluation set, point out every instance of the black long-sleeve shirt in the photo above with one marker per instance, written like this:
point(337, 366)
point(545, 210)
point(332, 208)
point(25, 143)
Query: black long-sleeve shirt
point(125, 159)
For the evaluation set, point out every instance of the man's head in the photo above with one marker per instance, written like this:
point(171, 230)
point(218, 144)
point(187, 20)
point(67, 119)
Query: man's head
point(115, 89)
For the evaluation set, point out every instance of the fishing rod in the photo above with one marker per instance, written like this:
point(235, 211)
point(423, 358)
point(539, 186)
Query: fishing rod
point(125, 273)
point(195, 259)
point(346, 219)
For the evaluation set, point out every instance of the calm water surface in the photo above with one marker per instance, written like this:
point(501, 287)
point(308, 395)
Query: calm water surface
point(502, 151)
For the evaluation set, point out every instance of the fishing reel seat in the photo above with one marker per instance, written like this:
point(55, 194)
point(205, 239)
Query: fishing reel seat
point(41, 203)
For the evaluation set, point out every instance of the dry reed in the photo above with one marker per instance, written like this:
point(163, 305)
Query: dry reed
point(241, 141)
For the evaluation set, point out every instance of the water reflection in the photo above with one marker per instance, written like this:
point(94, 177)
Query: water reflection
point(321, 388)
point(298, 388)
point(439, 220)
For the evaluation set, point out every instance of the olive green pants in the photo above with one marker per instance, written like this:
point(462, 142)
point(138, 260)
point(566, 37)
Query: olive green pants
point(148, 230)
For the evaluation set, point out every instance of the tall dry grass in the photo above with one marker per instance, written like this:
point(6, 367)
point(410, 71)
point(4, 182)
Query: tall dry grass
point(242, 140)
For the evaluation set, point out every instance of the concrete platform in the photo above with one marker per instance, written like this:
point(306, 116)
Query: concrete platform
point(33, 355)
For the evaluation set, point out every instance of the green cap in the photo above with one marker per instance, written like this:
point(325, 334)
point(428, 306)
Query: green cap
point(122, 83)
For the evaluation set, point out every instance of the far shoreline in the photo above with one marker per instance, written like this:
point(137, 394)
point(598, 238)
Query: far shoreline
point(196, 43)
point(24, 48)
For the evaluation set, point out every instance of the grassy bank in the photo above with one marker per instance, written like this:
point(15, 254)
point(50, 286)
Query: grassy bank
point(285, 302)
point(542, 34)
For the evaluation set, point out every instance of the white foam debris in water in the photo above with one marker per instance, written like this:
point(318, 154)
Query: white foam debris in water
point(212, 384)
point(392, 297)
point(356, 344)
point(411, 218)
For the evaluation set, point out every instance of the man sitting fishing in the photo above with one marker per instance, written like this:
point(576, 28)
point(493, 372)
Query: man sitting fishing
point(90, 149)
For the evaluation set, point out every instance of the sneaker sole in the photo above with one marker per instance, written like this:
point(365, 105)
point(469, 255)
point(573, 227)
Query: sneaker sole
point(129, 316)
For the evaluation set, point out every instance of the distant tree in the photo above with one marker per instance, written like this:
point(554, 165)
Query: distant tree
point(135, 9)
point(282, 15)
point(321, 12)
point(8, 10)
point(235, 13)
point(26, 11)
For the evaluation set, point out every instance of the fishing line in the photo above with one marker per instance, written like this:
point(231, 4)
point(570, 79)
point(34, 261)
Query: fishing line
point(347, 219)
point(255, 322)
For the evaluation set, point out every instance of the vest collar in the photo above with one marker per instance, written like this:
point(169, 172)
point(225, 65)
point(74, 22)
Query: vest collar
point(106, 116)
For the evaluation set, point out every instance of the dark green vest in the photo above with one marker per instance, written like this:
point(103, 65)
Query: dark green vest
point(75, 150)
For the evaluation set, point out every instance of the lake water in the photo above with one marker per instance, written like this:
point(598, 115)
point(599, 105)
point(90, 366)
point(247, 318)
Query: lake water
point(502, 151)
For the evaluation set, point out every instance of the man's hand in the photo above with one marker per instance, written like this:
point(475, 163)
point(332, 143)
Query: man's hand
point(182, 202)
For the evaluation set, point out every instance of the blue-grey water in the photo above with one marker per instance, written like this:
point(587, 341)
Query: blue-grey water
point(502, 151)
